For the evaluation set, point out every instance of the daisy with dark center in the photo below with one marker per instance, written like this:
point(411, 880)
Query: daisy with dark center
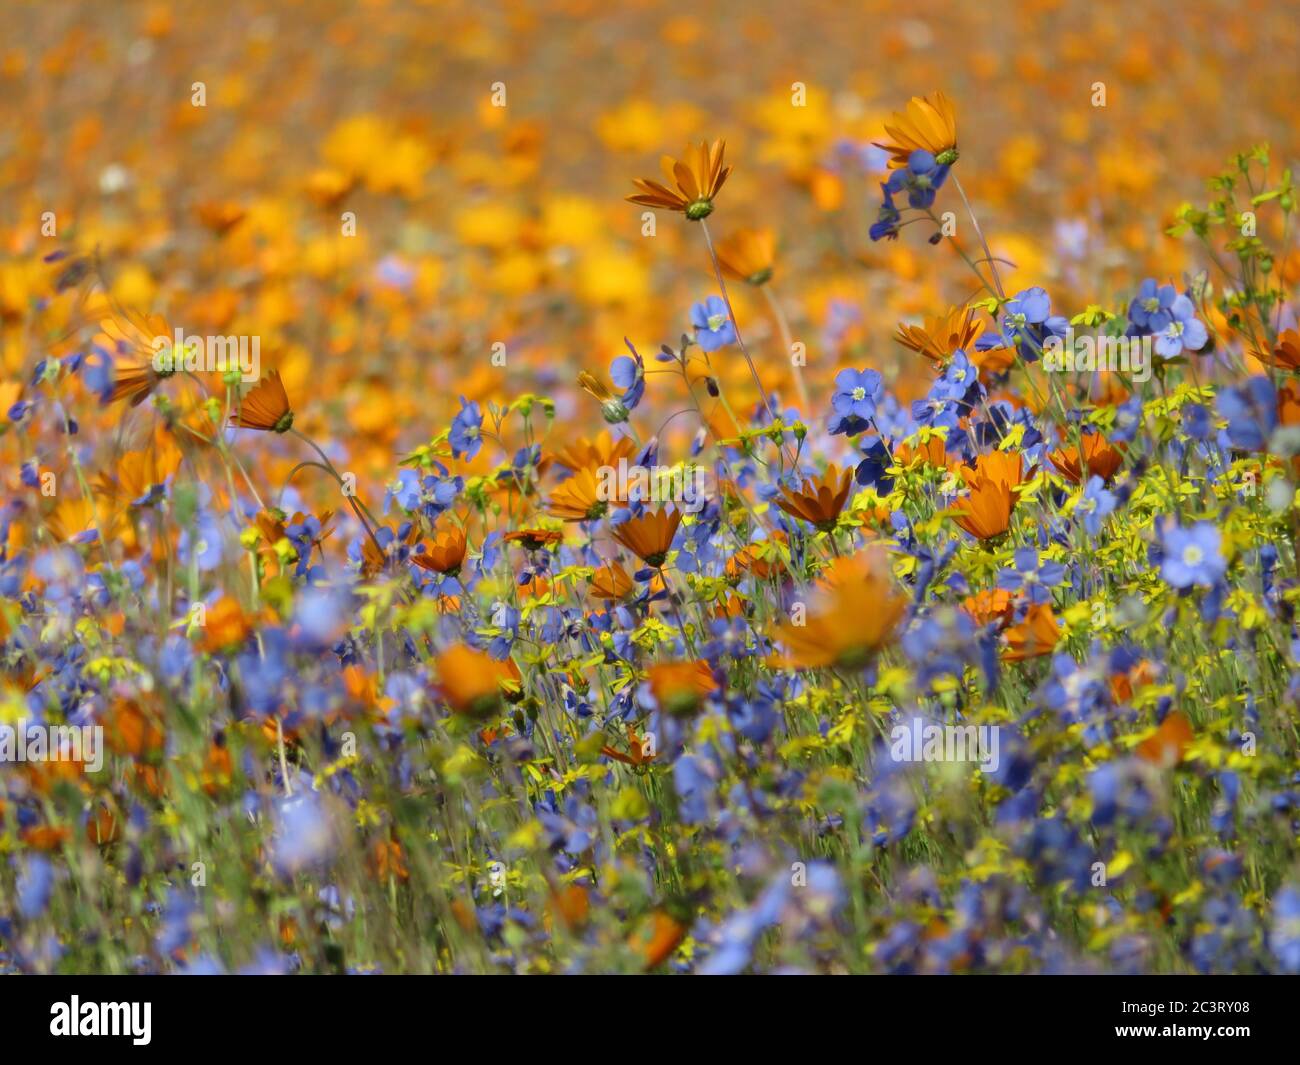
point(692, 182)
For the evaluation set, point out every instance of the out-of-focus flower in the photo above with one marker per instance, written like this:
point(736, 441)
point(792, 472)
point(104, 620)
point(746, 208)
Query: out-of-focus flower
point(747, 255)
point(1192, 555)
point(472, 682)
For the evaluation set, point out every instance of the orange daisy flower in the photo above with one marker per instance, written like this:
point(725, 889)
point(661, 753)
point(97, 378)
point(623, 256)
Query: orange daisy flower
point(580, 498)
point(819, 502)
point(747, 255)
point(1285, 354)
point(1167, 745)
point(473, 682)
point(533, 539)
point(610, 582)
point(265, 408)
point(680, 687)
point(650, 536)
point(445, 553)
point(927, 124)
point(1101, 458)
point(692, 182)
point(855, 611)
point(605, 450)
point(988, 606)
point(940, 336)
point(985, 510)
point(132, 342)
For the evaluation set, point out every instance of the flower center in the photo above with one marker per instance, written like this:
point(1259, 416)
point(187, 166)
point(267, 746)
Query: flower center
point(715, 322)
point(859, 394)
point(1192, 555)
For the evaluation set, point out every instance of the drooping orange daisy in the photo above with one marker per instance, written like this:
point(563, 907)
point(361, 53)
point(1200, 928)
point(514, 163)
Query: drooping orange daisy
point(819, 502)
point(1100, 457)
point(635, 751)
point(748, 254)
point(650, 537)
point(445, 553)
point(761, 558)
point(265, 408)
point(692, 181)
point(943, 334)
point(985, 509)
point(927, 124)
point(610, 581)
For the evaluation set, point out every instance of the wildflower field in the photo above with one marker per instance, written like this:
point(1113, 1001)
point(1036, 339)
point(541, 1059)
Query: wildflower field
point(572, 488)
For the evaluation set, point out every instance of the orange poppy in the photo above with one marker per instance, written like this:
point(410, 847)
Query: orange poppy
point(265, 408)
point(698, 177)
